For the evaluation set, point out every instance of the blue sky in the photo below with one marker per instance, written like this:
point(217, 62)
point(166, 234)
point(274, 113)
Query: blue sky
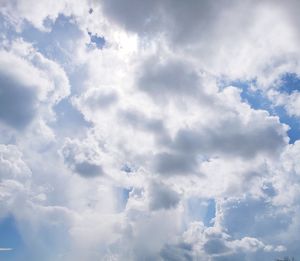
point(289, 83)
point(137, 130)
point(10, 238)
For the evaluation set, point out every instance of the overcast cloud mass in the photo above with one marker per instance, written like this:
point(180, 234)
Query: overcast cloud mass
point(149, 130)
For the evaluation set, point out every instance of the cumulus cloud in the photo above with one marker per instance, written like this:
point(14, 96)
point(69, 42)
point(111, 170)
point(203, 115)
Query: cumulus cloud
point(20, 11)
point(151, 146)
point(161, 196)
point(168, 78)
point(18, 90)
point(242, 140)
point(172, 164)
point(27, 82)
point(213, 244)
point(289, 101)
point(12, 166)
point(83, 159)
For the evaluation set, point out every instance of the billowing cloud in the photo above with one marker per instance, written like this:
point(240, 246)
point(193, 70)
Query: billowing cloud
point(27, 82)
point(149, 130)
point(19, 91)
point(82, 158)
point(167, 78)
point(161, 196)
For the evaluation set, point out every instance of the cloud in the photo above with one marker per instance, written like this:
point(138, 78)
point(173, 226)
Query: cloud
point(6, 249)
point(162, 79)
point(12, 166)
point(141, 148)
point(260, 218)
point(245, 139)
point(15, 176)
point(95, 100)
point(20, 12)
point(213, 244)
point(290, 102)
point(83, 159)
point(162, 197)
point(180, 252)
point(19, 92)
point(27, 81)
point(172, 164)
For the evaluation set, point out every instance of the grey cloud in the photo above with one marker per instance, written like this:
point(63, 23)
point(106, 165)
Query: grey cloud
point(140, 121)
point(161, 79)
point(96, 99)
point(18, 102)
point(134, 15)
point(213, 32)
point(180, 252)
point(28, 83)
point(87, 169)
point(215, 246)
point(169, 164)
point(253, 217)
point(233, 138)
point(82, 159)
point(106, 99)
point(162, 197)
point(181, 20)
point(189, 141)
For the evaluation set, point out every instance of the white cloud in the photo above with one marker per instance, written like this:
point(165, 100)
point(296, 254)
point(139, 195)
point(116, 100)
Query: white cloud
point(158, 130)
point(289, 101)
point(6, 249)
point(37, 13)
point(84, 159)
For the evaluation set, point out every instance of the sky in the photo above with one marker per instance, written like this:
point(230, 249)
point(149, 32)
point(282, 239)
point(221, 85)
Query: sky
point(149, 130)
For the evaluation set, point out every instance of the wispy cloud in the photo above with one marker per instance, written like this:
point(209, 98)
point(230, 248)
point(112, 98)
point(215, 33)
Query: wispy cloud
point(6, 249)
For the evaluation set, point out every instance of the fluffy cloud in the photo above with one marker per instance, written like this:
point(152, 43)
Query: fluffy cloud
point(214, 244)
point(162, 197)
point(15, 178)
point(82, 158)
point(28, 80)
point(25, 96)
point(20, 11)
point(148, 147)
point(165, 78)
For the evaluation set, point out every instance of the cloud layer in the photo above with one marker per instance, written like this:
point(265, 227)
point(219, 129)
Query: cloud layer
point(150, 130)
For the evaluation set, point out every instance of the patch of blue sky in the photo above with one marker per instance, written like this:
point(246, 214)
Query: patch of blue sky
point(289, 83)
point(200, 209)
point(257, 100)
point(291, 121)
point(97, 41)
point(10, 238)
point(69, 121)
point(58, 41)
point(123, 196)
point(77, 78)
point(128, 168)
